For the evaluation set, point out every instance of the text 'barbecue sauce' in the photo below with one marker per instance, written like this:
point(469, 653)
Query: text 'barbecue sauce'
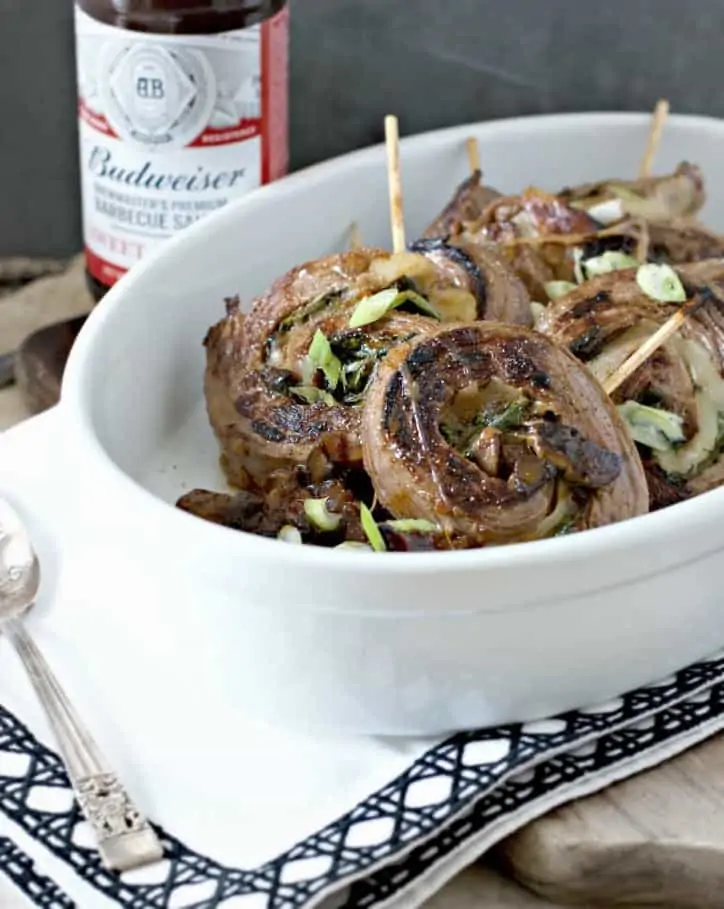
point(182, 107)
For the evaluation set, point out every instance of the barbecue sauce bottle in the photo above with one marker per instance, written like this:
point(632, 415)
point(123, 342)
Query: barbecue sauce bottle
point(182, 107)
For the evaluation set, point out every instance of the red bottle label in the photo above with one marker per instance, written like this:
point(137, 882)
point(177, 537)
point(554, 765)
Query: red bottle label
point(173, 127)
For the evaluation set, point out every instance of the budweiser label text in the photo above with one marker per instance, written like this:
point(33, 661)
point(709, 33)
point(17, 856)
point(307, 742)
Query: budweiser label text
point(172, 128)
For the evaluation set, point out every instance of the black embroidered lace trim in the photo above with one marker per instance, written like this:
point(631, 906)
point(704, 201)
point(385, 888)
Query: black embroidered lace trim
point(528, 762)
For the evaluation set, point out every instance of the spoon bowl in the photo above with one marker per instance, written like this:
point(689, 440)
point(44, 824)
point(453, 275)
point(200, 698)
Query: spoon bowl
point(19, 565)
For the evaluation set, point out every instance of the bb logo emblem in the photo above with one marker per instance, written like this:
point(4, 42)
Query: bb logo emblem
point(155, 96)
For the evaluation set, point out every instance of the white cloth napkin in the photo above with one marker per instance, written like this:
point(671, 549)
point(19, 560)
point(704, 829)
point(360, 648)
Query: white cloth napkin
point(255, 817)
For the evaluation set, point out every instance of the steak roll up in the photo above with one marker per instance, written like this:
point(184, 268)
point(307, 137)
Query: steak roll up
point(470, 200)
point(673, 404)
point(285, 382)
point(683, 240)
point(521, 224)
point(666, 208)
point(493, 434)
point(658, 199)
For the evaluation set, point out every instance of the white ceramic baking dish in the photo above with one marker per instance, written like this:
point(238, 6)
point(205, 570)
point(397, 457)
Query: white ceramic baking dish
point(395, 643)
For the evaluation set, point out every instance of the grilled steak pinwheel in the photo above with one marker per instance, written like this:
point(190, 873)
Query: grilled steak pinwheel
point(285, 381)
point(658, 199)
point(674, 403)
point(521, 224)
point(655, 215)
point(470, 200)
point(492, 433)
point(683, 240)
point(650, 218)
point(500, 295)
point(403, 402)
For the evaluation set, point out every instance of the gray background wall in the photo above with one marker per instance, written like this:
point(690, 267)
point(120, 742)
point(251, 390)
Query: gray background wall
point(433, 62)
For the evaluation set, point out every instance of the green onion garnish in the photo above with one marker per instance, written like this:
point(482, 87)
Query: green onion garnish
point(289, 534)
point(412, 525)
point(378, 305)
point(319, 515)
point(373, 308)
point(321, 357)
point(607, 212)
point(608, 262)
point(558, 288)
point(372, 531)
point(537, 310)
point(660, 282)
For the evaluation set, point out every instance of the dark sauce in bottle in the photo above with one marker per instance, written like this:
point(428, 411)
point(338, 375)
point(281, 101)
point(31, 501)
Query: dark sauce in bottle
point(146, 82)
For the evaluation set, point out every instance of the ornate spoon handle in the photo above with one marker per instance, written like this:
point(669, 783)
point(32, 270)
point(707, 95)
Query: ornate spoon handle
point(125, 838)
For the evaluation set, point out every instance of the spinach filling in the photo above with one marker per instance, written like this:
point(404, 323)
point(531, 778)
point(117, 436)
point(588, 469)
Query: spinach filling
point(340, 368)
point(326, 301)
point(501, 415)
point(359, 353)
point(304, 313)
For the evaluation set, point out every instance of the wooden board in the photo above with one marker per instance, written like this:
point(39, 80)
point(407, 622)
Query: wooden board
point(39, 323)
point(40, 363)
point(656, 839)
point(41, 303)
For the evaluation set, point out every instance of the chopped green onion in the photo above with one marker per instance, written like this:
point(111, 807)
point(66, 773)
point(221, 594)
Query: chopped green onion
point(319, 515)
point(289, 534)
point(536, 311)
point(558, 288)
point(412, 525)
point(608, 262)
point(373, 308)
point(354, 545)
point(422, 303)
point(321, 357)
point(311, 395)
point(378, 305)
point(660, 282)
point(607, 212)
point(658, 429)
point(372, 531)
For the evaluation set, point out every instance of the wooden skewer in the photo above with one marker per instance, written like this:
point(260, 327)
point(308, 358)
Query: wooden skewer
point(638, 357)
point(658, 121)
point(355, 237)
point(473, 154)
point(397, 218)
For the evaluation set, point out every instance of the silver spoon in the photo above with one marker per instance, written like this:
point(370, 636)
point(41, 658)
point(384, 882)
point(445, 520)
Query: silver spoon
point(125, 838)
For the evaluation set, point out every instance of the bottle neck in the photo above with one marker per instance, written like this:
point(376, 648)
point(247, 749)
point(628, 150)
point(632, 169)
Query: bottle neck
point(182, 17)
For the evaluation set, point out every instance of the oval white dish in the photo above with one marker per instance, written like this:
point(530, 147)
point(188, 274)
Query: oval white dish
point(397, 643)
